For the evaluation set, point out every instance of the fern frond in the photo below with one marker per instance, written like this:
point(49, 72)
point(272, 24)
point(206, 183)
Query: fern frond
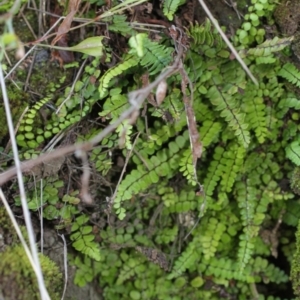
point(129, 62)
point(246, 248)
point(184, 202)
point(215, 170)
point(172, 106)
point(268, 47)
point(187, 166)
point(166, 235)
point(114, 105)
point(161, 165)
point(289, 103)
point(265, 60)
point(103, 161)
point(232, 159)
point(209, 132)
point(170, 7)
point(88, 247)
point(210, 237)
point(255, 110)
point(224, 268)
point(247, 198)
point(154, 56)
point(120, 25)
point(292, 152)
point(27, 136)
point(290, 73)
point(84, 272)
point(127, 271)
point(83, 238)
point(205, 35)
point(227, 104)
point(187, 259)
point(125, 130)
point(157, 136)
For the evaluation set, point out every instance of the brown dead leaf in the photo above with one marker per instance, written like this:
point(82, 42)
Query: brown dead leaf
point(66, 24)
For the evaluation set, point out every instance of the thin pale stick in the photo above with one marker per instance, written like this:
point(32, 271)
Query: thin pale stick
point(41, 217)
point(17, 128)
point(73, 86)
point(65, 265)
point(124, 168)
point(18, 231)
point(42, 288)
point(225, 39)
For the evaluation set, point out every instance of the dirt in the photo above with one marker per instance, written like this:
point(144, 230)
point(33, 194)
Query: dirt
point(287, 17)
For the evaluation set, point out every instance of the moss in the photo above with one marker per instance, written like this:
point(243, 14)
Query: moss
point(18, 281)
point(9, 236)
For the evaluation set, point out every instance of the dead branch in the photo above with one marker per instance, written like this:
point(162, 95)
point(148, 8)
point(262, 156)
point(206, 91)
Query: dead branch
point(136, 99)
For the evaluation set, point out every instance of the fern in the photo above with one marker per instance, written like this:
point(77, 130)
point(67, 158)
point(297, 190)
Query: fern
point(268, 47)
point(289, 103)
point(214, 172)
point(268, 270)
point(255, 109)
point(245, 251)
point(102, 160)
point(293, 152)
point(166, 235)
point(27, 136)
point(83, 239)
point(291, 73)
point(215, 236)
point(154, 56)
point(184, 202)
point(187, 167)
point(246, 197)
point(227, 104)
point(127, 271)
point(187, 260)
point(120, 25)
point(161, 165)
point(32, 136)
point(232, 160)
point(172, 107)
point(115, 104)
point(84, 272)
point(124, 130)
point(224, 268)
point(210, 237)
point(209, 132)
point(170, 7)
point(128, 62)
point(206, 35)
